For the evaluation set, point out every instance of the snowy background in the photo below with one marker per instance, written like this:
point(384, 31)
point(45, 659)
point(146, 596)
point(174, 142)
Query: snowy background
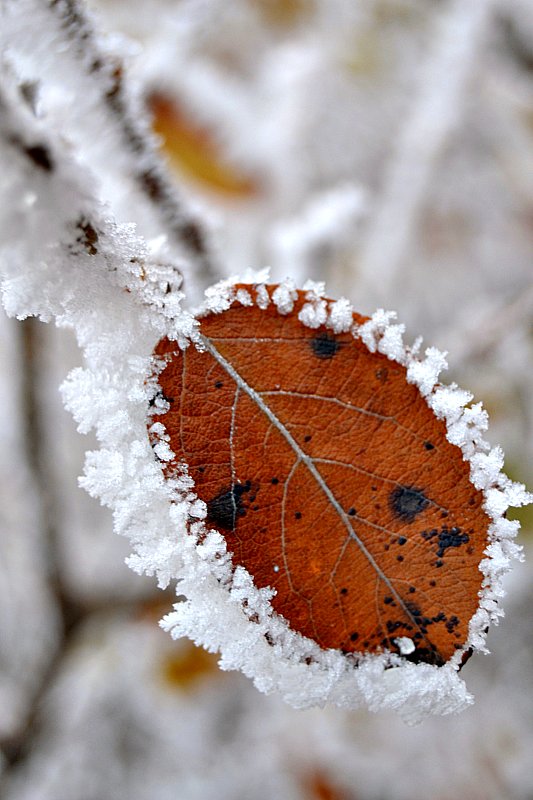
point(386, 148)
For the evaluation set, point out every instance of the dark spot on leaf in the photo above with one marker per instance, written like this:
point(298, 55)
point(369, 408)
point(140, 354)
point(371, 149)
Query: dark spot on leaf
point(402, 540)
point(298, 514)
point(452, 624)
point(451, 538)
point(429, 446)
point(433, 583)
point(344, 590)
point(201, 470)
point(407, 502)
point(224, 509)
point(399, 558)
point(412, 590)
point(439, 563)
point(447, 537)
point(352, 512)
point(308, 438)
point(354, 636)
point(275, 481)
point(218, 385)
point(325, 345)
point(387, 600)
point(413, 609)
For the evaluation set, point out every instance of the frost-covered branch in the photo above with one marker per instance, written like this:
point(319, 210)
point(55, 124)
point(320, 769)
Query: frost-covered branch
point(54, 217)
point(81, 93)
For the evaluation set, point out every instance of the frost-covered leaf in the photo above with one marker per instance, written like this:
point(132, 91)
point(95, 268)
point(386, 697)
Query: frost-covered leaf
point(330, 478)
point(366, 534)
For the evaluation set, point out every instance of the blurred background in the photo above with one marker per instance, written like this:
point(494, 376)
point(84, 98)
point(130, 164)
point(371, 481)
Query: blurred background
point(385, 147)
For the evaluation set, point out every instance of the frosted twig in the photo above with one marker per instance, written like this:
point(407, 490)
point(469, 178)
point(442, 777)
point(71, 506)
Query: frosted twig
point(68, 222)
point(437, 105)
point(103, 119)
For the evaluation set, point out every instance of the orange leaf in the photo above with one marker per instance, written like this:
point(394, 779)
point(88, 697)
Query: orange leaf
point(331, 480)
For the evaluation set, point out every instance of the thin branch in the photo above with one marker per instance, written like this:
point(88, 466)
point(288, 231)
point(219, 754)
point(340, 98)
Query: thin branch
point(77, 225)
point(108, 110)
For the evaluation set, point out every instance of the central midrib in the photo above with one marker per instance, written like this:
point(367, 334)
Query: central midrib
point(308, 461)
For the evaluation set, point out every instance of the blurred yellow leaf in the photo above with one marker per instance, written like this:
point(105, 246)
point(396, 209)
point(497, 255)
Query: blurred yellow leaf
point(194, 153)
point(283, 13)
point(183, 668)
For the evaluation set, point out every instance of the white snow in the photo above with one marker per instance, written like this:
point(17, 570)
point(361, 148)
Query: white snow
point(284, 296)
point(406, 645)
point(340, 317)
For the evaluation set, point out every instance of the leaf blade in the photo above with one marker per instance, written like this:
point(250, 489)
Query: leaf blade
point(381, 538)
